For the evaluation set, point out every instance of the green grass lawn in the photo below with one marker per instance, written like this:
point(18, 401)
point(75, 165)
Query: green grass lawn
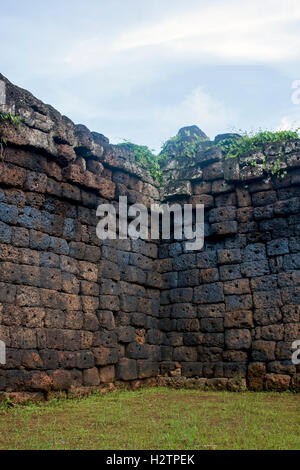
point(156, 419)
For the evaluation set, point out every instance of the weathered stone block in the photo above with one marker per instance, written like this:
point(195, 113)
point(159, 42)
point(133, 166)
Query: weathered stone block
point(255, 268)
point(188, 324)
point(212, 325)
point(224, 228)
point(278, 247)
point(237, 286)
point(209, 293)
point(208, 275)
point(107, 374)
point(267, 299)
point(126, 369)
point(36, 182)
point(272, 332)
point(256, 375)
point(91, 376)
point(207, 259)
point(222, 214)
point(263, 351)
point(20, 237)
point(230, 272)
point(183, 310)
point(188, 278)
point(238, 339)
point(211, 310)
point(213, 340)
point(239, 319)
point(185, 353)
point(264, 198)
point(191, 369)
point(277, 382)
point(126, 334)
point(227, 257)
point(147, 369)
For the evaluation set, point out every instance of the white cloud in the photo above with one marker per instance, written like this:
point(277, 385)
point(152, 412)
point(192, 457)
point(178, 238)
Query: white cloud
point(251, 32)
point(257, 30)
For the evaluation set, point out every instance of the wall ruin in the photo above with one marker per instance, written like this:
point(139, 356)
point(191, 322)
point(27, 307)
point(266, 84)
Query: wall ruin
point(78, 312)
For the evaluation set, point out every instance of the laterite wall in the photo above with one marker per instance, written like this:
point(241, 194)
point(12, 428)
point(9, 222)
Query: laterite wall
point(78, 312)
point(231, 312)
point(74, 312)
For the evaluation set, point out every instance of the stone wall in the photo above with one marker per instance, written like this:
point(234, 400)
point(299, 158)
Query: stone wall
point(77, 312)
point(232, 310)
point(74, 311)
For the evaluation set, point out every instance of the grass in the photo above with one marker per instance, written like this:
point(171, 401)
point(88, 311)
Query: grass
point(156, 419)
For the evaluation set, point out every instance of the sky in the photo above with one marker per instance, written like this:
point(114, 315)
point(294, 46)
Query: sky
point(139, 69)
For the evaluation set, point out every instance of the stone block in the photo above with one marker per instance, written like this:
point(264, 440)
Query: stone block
point(212, 325)
point(263, 351)
point(189, 278)
point(224, 228)
point(185, 354)
point(264, 198)
point(191, 369)
point(277, 382)
point(272, 332)
point(36, 182)
point(256, 375)
point(183, 310)
point(278, 247)
point(213, 340)
point(238, 302)
point(207, 259)
point(267, 299)
point(20, 237)
point(91, 377)
point(209, 293)
point(255, 268)
point(237, 287)
point(208, 275)
point(239, 319)
point(147, 369)
point(126, 369)
point(107, 374)
point(230, 272)
point(238, 339)
point(227, 257)
point(222, 214)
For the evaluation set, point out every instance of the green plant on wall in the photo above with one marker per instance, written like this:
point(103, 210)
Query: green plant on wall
point(145, 158)
point(7, 119)
point(10, 119)
point(236, 147)
point(232, 147)
point(178, 147)
point(275, 168)
point(247, 143)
